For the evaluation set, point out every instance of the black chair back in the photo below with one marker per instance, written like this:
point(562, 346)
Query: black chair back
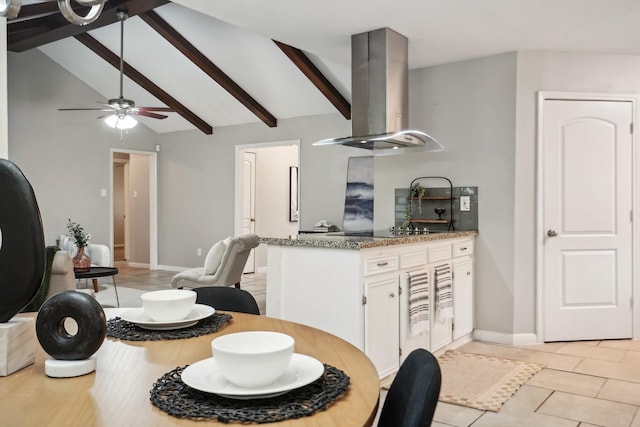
point(227, 299)
point(413, 395)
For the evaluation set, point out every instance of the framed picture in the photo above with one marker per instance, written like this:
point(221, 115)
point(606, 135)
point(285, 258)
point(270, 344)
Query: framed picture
point(293, 194)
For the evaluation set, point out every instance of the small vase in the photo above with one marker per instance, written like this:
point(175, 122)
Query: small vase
point(81, 262)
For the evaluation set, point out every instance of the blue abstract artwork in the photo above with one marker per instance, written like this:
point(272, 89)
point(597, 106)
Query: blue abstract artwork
point(358, 205)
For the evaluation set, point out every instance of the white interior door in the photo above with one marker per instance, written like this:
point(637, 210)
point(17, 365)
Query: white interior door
point(587, 199)
point(248, 222)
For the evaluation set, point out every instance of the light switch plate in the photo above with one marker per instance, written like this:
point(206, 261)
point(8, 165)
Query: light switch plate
point(465, 203)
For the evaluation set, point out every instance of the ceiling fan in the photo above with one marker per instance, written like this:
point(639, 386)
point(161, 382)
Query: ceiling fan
point(119, 111)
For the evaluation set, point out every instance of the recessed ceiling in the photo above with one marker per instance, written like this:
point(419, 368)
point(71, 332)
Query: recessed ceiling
point(237, 36)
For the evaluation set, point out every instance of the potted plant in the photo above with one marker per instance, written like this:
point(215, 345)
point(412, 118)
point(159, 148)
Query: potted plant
point(417, 191)
point(81, 261)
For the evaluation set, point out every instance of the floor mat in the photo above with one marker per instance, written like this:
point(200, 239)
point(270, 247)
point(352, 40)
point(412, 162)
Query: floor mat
point(482, 382)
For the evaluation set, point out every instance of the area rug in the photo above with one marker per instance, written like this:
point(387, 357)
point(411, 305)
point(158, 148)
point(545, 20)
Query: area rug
point(482, 382)
point(129, 297)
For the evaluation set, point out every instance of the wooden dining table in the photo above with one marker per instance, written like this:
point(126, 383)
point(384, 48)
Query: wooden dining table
point(117, 393)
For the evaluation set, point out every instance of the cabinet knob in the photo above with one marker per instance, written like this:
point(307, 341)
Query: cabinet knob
point(468, 273)
point(552, 233)
point(392, 295)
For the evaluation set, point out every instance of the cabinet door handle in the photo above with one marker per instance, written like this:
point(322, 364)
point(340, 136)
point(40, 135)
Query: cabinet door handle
point(392, 295)
point(463, 248)
point(383, 263)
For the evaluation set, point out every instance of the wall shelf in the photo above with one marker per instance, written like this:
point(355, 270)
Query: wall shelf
point(433, 221)
point(417, 215)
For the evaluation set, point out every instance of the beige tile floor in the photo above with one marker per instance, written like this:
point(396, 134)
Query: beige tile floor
point(585, 384)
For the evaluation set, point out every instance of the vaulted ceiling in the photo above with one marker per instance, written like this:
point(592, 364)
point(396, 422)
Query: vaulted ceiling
point(220, 62)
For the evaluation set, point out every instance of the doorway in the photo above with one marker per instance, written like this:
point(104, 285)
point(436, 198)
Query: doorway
point(263, 205)
point(585, 228)
point(133, 207)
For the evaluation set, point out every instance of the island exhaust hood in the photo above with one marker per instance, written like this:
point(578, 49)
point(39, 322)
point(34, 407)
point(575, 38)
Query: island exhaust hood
point(380, 96)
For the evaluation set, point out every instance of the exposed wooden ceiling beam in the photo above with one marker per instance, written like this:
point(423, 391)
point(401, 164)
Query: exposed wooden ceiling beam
point(312, 72)
point(27, 34)
point(45, 8)
point(163, 28)
point(147, 84)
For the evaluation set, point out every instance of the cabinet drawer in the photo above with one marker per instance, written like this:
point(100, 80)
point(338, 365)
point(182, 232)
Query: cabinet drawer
point(415, 258)
point(380, 264)
point(438, 252)
point(462, 248)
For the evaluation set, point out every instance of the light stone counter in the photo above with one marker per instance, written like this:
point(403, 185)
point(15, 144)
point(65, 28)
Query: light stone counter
point(322, 240)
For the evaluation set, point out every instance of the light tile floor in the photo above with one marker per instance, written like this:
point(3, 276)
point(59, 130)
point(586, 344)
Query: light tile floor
point(595, 383)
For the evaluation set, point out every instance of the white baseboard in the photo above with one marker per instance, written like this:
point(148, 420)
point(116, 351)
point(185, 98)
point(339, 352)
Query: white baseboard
point(137, 264)
point(504, 338)
point(171, 268)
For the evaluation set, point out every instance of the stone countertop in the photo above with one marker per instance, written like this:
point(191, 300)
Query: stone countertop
point(321, 240)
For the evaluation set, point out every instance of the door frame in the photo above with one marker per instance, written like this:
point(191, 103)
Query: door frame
point(153, 203)
point(635, 202)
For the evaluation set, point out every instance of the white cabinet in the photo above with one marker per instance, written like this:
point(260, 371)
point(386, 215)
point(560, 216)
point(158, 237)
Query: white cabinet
point(381, 337)
point(362, 295)
point(462, 297)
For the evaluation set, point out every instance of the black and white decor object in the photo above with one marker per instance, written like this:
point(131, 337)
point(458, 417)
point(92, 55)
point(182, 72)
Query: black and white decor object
point(71, 351)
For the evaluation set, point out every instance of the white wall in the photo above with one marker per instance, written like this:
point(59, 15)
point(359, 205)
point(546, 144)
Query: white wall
point(4, 137)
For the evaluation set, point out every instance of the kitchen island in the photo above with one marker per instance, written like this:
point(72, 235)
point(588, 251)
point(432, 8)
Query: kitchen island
point(358, 289)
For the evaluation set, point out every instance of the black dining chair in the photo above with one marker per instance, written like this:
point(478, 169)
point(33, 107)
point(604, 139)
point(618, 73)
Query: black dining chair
point(227, 299)
point(412, 398)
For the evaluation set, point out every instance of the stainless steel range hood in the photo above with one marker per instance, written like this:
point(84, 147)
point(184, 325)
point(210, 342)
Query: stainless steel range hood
point(380, 96)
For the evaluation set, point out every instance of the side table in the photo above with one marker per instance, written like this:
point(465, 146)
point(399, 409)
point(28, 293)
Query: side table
point(95, 272)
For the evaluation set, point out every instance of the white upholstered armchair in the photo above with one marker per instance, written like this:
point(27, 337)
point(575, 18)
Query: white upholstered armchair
point(223, 264)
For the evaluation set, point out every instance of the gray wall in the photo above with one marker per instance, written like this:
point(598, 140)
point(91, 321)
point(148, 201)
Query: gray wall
point(549, 71)
point(65, 155)
point(196, 174)
point(139, 204)
point(469, 107)
point(482, 111)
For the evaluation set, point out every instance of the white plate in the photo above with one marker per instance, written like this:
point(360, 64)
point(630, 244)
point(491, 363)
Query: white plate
point(204, 376)
point(140, 318)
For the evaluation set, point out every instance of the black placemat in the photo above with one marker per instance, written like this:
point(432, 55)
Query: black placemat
point(174, 397)
point(121, 329)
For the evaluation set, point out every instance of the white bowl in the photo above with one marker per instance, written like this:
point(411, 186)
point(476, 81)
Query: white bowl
point(169, 305)
point(252, 359)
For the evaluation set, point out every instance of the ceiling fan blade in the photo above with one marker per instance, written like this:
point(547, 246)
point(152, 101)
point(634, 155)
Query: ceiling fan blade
point(141, 112)
point(84, 109)
point(165, 109)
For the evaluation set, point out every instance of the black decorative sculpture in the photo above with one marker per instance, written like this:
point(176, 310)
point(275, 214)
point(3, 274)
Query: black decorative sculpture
point(22, 248)
point(90, 320)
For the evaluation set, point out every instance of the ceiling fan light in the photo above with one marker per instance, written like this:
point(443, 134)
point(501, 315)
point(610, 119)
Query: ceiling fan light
point(111, 120)
point(126, 122)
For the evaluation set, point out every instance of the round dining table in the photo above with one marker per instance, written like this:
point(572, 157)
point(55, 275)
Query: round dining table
point(117, 392)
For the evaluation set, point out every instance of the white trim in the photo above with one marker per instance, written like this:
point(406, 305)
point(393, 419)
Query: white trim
point(503, 338)
point(153, 204)
point(171, 268)
point(539, 240)
point(139, 265)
